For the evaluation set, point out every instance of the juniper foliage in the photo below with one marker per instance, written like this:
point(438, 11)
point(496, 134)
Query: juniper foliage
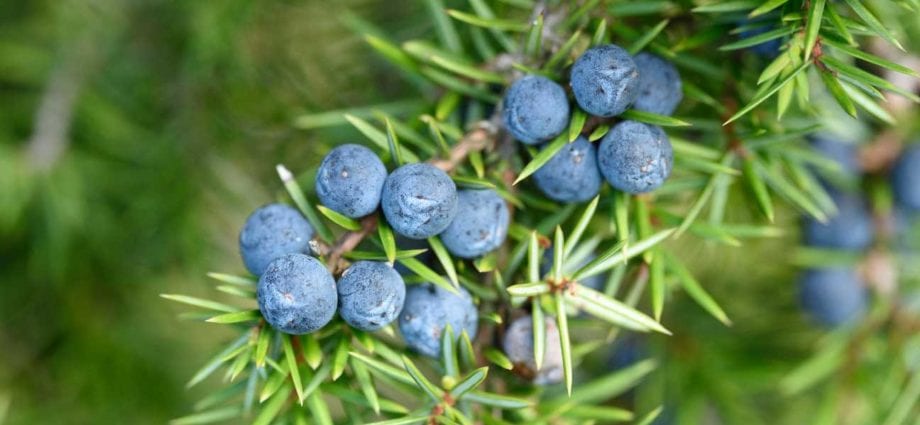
point(738, 139)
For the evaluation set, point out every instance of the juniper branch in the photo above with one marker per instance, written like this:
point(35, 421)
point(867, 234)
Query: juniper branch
point(479, 138)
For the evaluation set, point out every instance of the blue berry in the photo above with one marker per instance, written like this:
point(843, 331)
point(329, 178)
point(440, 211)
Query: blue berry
point(571, 175)
point(518, 346)
point(635, 157)
point(844, 154)
point(428, 309)
point(833, 296)
point(535, 109)
point(350, 179)
point(605, 80)
point(850, 229)
point(659, 85)
point(270, 232)
point(419, 200)
point(480, 226)
point(905, 178)
point(371, 295)
point(297, 294)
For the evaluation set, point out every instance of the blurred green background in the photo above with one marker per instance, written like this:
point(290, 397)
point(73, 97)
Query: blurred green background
point(135, 137)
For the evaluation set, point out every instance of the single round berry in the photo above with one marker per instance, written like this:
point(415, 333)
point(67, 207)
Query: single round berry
point(635, 157)
point(605, 80)
point(480, 226)
point(428, 309)
point(851, 228)
point(350, 179)
point(905, 178)
point(659, 85)
point(419, 200)
point(371, 295)
point(844, 154)
point(518, 346)
point(833, 296)
point(535, 109)
point(297, 294)
point(571, 175)
point(270, 232)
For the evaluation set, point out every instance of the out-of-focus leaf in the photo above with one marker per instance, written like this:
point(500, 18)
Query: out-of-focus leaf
point(866, 103)
point(292, 366)
point(577, 124)
point(449, 352)
point(366, 384)
point(617, 254)
point(563, 52)
point(654, 119)
point(493, 24)
point(237, 317)
point(468, 71)
point(599, 413)
point(340, 358)
point(528, 289)
point(233, 279)
point(297, 195)
point(614, 311)
point(873, 59)
point(426, 273)
point(766, 94)
point(834, 87)
point(727, 6)
point(443, 25)
point(340, 219)
point(821, 365)
point(472, 380)
point(873, 22)
point(495, 400)
point(647, 37)
point(435, 393)
point(562, 323)
point(222, 414)
point(766, 7)
point(696, 291)
point(385, 369)
point(650, 417)
point(600, 34)
point(605, 387)
point(272, 408)
point(758, 188)
point(444, 259)
point(815, 15)
point(199, 302)
point(318, 409)
point(759, 38)
point(535, 36)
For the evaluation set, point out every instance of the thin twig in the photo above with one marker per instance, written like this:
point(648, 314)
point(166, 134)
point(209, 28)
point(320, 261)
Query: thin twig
point(476, 140)
point(350, 241)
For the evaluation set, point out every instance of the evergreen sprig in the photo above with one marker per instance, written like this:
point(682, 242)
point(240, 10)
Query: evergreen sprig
point(730, 138)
